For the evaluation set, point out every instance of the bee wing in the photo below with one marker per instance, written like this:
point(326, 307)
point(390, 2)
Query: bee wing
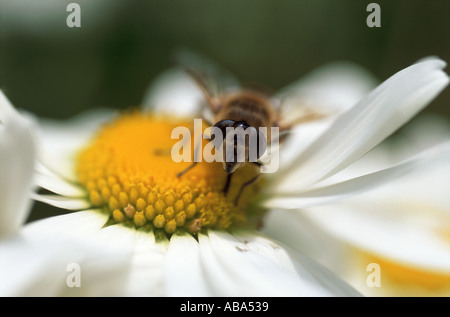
point(173, 92)
point(293, 110)
point(328, 91)
point(211, 78)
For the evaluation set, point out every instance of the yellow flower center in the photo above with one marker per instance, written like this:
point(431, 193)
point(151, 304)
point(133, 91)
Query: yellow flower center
point(128, 171)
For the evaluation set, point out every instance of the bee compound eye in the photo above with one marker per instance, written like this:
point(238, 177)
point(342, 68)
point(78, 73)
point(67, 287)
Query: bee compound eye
point(241, 124)
point(223, 125)
point(262, 144)
point(256, 143)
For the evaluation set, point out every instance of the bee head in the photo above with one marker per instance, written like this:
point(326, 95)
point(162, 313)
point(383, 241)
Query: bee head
point(245, 143)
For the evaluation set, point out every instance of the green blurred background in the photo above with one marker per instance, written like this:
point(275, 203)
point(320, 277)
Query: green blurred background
point(55, 71)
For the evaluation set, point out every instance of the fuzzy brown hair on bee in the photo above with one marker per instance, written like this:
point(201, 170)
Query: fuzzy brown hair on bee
point(235, 107)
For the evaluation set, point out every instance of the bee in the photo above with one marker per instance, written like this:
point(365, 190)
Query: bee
point(229, 105)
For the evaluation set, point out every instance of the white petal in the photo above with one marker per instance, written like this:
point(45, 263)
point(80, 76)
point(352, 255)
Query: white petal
point(300, 137)
point(62, 202)
point(114, 260)
point(391, 229)
point(62, 164)
point(405, 221)
point(173, 93)
point(146, 268)
point(302, 234)
point(58, 185)
point(61, 141)
point(428, 185)
point(247, 265)
point(135, 271)
point(105, 254)
point(18, 151)
point(36, 262)
point(330, 283)
point(184, 274)
point(80, 224)
point(367, 123)
point(240, 272)
point(310, 271)
point(422, 134)
point(326, 194)
point(30, 267)
point(413, 213)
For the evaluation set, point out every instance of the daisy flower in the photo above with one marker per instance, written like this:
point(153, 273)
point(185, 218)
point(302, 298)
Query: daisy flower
point(140, 230)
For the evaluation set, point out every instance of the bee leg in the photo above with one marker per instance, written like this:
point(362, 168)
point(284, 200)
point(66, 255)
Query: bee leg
point(196, 152)
point(227, 184)
point(186, 169)
point(253, 180)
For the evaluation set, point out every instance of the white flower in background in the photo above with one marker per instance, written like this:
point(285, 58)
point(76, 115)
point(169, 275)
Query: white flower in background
point(132, 202)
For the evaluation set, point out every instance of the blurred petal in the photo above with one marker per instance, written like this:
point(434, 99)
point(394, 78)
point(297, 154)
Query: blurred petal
point(77, 224)
point(384, 229)
point(62, 202)
point(114, 260)
point(7, 110)
point(327, 194)
point(139, 266)
point(33, 267)
point(407, 220)
point(332, 88)
point(60, 141)
point(35, 262)
point(424, 132)
point(57, 185)
point(173, 93)
point(366, 124)
point(18, 151)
